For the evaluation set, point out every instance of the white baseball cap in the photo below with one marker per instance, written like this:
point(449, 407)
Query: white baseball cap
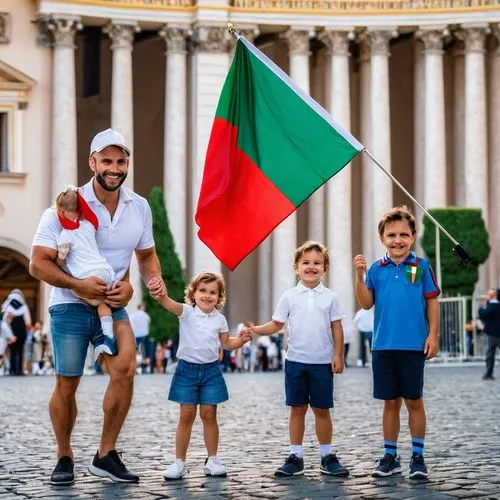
point(106, 138)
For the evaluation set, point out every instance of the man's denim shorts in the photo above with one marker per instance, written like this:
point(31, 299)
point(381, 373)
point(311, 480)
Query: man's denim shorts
point(308, 384)
point(72, 327)
point(198, 384)
point(398, 374)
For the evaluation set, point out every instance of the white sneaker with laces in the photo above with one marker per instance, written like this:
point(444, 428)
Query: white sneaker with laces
point(214, 467)
point(175, 470)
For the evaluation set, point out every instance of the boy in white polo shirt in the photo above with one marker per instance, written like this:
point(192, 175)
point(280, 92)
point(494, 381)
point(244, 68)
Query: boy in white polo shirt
point(198, 378)
point(315, 352)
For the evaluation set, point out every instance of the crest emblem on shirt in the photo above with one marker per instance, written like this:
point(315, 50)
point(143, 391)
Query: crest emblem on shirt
point(413, 274)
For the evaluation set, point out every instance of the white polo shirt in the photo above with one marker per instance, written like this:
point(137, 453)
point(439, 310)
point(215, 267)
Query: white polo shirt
point(84, 257)
point(199, 340)
point(309, 313)
point(131, 228)
point(140, 323)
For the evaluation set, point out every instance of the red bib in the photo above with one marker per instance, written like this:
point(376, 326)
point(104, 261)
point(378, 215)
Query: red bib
point(86, 212)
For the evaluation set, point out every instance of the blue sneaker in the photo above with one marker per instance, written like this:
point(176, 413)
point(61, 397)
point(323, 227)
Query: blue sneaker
point(330, 465)
point(293, 466)
point(387, 466)
point(418, 470)
point(107, 347)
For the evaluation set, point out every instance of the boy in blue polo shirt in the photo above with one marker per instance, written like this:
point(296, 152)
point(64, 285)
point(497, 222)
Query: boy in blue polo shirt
point(404, 291)
point(315, 352)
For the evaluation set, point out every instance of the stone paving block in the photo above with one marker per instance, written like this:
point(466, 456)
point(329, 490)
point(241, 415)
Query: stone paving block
point(462, 450)
point(463, 493)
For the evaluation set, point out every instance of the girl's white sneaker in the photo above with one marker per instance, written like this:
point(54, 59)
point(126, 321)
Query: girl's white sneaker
point(175, 470)
point(214, 467)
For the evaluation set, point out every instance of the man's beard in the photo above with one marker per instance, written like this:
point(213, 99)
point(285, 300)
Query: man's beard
point(102, 182)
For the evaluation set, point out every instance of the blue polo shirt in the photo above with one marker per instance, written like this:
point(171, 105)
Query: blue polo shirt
point(400, 292)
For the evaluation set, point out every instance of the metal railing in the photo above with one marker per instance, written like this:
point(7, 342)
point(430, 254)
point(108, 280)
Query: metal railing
point(367, 6)
point(160, 4)
point(460, 339)
point(345, 6)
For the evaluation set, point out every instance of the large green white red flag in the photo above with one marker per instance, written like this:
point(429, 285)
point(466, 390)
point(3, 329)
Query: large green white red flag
point(270, 148)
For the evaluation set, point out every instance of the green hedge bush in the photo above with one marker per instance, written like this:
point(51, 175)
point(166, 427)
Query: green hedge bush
point(467, 226)
point(164, 325)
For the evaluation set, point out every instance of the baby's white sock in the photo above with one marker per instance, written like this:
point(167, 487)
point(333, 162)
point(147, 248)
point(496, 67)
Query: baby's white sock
point(107, 326)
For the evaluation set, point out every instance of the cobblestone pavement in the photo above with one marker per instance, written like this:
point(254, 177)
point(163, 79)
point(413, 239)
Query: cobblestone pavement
point(463, 441)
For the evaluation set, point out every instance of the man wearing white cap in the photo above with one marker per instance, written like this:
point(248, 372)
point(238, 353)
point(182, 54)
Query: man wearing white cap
point(125, 227)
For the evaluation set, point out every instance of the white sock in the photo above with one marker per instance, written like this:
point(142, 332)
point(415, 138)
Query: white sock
point(107, 326)
point(324, 450)
point(297, 450)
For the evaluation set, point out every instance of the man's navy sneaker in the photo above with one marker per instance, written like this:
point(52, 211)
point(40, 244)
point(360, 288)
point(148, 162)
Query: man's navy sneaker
point(330, 465)
point(111, 466)
point(107, 347)
point(387, 466)
point(293, 466)
point(63, 472)
point(418, 470)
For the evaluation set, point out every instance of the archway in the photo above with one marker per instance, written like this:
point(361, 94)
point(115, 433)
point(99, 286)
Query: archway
point(14, 273)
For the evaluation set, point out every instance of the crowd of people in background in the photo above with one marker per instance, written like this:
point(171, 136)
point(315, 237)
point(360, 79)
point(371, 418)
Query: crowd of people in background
point(25, 348)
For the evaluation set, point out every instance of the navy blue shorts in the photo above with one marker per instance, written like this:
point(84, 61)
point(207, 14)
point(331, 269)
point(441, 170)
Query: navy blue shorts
point(308, 384)
point(398, 374)
point(198, 384)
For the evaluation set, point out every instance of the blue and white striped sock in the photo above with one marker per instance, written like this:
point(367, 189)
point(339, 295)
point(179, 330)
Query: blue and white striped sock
point(417, 446)
point(391, 447)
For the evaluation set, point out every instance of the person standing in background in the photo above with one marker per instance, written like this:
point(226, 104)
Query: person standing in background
point(16, 313)
point(490, 316)
point(363, 321)
point(140, 321)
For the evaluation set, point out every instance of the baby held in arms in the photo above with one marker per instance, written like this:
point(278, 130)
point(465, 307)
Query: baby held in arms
point(78, 254)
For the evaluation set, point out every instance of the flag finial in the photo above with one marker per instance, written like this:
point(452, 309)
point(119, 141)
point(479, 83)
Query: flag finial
point(231, 28)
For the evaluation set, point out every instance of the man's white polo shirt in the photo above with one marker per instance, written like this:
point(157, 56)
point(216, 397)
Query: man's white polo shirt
point(309, 313)
point(199, 334)
point(131, 228)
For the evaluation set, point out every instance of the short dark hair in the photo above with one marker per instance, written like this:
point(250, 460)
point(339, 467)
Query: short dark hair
point(397, 214)
point(307, 247)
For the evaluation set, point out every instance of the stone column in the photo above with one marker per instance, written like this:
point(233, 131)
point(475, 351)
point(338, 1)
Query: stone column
point(381, 128)
point(494, 127)
point(61, 35)
point(459, 124)
point(285, 235)
point(435, 136)
point(476, 140)
point(209, 66)
point(476, 160)
point(419, 138)
point(298, 43)
point(265, 299)
point(175, 141)
point(367, 165)
point(122, 116)
point(338, 193)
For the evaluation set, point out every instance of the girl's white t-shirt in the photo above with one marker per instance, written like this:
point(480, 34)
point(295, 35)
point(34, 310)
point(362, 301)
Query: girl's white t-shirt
point(199, 340)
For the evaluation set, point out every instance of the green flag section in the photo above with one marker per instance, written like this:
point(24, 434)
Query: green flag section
point(270, 148)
